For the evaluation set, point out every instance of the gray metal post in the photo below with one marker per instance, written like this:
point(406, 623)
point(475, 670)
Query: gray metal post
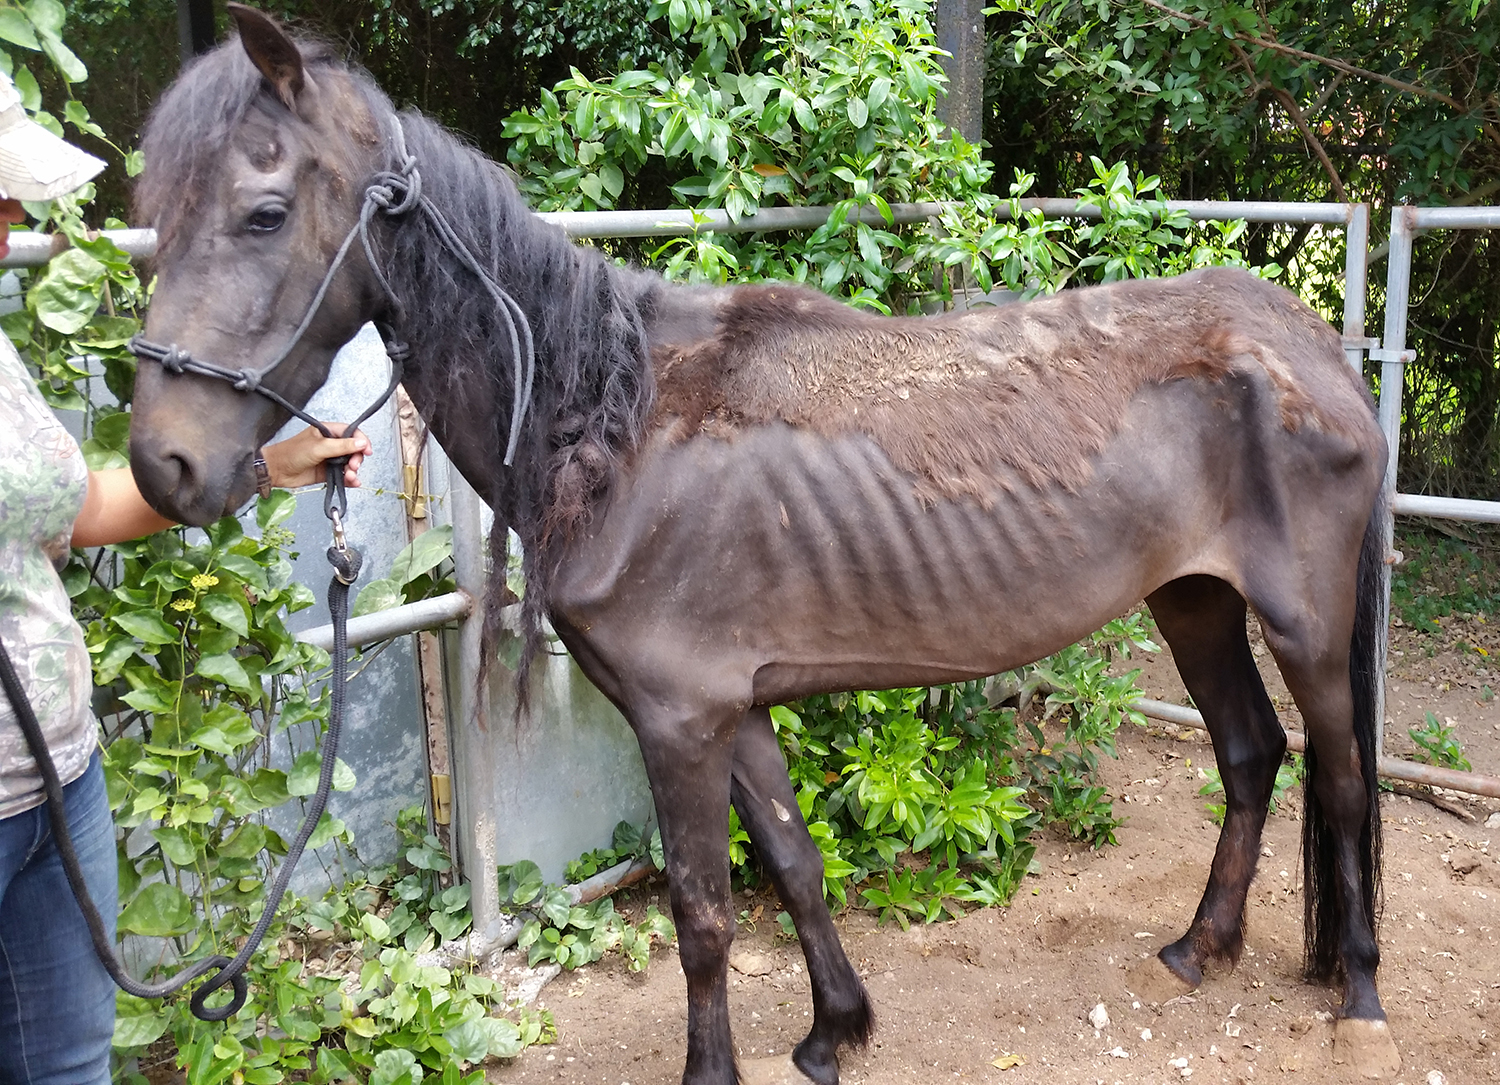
point(195, 28)
point(1392, 357)
point(1356, 282)
point(470, 757)
point(960, 32)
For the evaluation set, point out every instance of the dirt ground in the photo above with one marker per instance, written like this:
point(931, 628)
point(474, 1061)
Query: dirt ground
point(1004, 995)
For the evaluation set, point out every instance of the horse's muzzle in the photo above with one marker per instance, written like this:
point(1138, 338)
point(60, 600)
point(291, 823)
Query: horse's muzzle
point(191, 486)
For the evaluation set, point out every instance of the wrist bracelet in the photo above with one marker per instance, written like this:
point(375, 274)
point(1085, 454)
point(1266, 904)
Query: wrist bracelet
point(262, 476)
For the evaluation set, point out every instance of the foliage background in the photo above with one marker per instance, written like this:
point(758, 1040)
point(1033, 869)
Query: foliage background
point(1221, 101)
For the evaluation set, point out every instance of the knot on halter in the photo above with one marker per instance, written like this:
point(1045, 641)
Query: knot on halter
point(396, 191)
point(174, 359)
point(248, 380)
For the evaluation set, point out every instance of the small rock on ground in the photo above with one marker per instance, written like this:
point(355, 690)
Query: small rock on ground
point(750, 964)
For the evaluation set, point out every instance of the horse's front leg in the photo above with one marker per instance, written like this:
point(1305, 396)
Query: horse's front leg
point(688, 750)
point(767, 806)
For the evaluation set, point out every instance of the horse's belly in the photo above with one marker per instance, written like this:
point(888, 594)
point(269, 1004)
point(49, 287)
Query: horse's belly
point(812, 563)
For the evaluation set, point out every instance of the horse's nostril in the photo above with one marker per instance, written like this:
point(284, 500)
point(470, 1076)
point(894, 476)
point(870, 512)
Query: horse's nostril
point(165, 479)
point(178, 474)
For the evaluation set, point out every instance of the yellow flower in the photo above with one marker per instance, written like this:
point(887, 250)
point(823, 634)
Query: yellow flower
point(183, 604)
point(201, 581)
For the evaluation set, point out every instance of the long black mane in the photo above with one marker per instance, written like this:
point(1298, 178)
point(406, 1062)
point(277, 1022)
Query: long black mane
point(593, 387)
point(593, 379)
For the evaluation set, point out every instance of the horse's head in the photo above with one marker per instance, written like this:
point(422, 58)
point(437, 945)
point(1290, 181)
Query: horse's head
point(255, 165)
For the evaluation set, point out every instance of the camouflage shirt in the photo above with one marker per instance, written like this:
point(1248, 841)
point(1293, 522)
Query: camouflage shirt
point(43, 480)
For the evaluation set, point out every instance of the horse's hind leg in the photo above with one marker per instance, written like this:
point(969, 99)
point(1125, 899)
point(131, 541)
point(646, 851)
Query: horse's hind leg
point(1341, 840)
point(767, 806)
point(1203, 619)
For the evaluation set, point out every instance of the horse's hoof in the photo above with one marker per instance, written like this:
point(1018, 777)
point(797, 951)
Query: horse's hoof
point(775, 1070)
point(1151, 980)
point(1366, 1046)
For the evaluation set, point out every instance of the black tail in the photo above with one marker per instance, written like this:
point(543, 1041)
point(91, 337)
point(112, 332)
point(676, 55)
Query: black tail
point(1322, 929)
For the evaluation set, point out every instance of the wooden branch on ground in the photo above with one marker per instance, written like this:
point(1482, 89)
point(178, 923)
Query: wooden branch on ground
point(1424, 795)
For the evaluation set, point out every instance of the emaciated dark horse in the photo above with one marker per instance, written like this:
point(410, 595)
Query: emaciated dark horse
point(731, 498)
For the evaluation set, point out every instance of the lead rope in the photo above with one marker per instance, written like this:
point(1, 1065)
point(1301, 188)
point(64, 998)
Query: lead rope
point(346, 562)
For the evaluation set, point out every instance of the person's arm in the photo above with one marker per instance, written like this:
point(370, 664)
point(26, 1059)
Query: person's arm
point(114, 510)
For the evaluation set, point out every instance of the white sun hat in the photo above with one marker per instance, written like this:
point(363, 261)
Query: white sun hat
point(35, 164)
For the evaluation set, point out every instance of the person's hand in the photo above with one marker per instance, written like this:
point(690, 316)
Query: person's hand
point(11, 214)
point(298, 461)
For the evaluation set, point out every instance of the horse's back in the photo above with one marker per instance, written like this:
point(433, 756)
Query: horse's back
point(1034, 388)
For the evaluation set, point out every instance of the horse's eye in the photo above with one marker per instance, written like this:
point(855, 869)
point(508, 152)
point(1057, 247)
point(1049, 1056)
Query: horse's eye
point(266, 220)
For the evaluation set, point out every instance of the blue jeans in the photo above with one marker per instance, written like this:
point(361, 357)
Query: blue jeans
point(57, 1003)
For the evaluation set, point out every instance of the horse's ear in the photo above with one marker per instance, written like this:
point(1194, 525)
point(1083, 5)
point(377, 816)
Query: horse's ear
point(272, 51)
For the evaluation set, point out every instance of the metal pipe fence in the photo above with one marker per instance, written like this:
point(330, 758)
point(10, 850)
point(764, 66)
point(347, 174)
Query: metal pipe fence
point(1389, 768)
point(1393, 356)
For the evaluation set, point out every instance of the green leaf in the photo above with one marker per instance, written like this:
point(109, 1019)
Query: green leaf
point(612, 179)
point(138, 1021)
point(425, 553)
point(343, 776)
point(504, 1037)
point(470, 1041)
point(268, 787)
point(146, 626)
point(303, 777)
point(246, 842)
point(78, 116)
point(67, 295)
point(159, 910)
point(785, 719)
point(150, 699)
point(227, 611)
point(66, 62)
point(47, 16)
point(557, 907)
point(110, 657)
point(376, 596)
point(523, 882)
point(328, 828)
point(176, 846)
point(396, 1066)
point(248, 570)
point(112, 430)
point(16, 29)
point(225, 730)
point(449, 927)
point(273, 510)
point(226, 669)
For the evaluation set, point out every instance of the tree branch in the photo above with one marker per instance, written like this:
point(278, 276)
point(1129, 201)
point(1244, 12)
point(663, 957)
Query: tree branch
point(1336, 65)
point(1294, 246)
point(1290, 104)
